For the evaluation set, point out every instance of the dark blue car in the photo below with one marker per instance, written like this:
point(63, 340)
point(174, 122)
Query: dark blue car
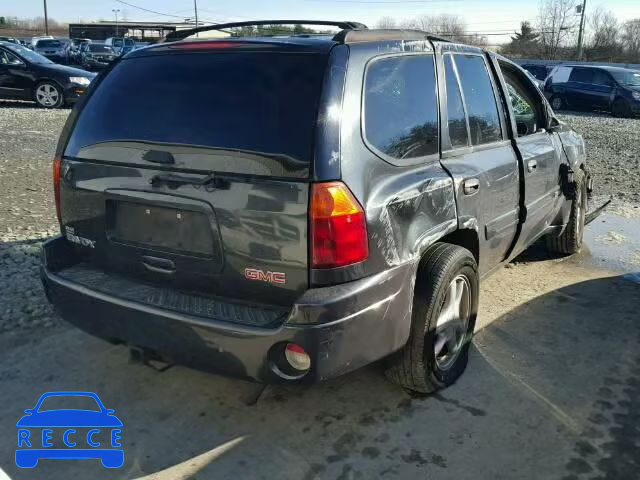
point(92, 431)
point(586, 87)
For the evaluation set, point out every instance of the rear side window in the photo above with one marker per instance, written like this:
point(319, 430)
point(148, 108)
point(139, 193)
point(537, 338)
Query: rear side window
point(583, 75)
point(400, 106)
point(484, 121)
point(247, 112)
point(455, 109)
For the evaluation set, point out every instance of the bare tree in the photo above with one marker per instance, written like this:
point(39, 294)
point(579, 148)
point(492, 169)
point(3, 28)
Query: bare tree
point(446, 25)
point(387, 22)
point(603, 29)
point(631, 39)
point(556, 21)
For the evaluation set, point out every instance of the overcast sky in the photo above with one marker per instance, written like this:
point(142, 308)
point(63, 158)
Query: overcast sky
point(482, 16)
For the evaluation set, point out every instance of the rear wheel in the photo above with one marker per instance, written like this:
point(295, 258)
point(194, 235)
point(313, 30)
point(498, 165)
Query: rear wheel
point(557, 102)
point(621, 108)
point(570, 241)
point(445, 306)
point(48, 95)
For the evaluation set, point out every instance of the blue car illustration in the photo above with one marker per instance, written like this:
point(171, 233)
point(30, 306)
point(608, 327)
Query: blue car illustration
point(69, 433)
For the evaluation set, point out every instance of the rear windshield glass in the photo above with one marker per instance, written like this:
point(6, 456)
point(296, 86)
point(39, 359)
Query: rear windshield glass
point(49, 44)
point(257, 108)
point(99, 48)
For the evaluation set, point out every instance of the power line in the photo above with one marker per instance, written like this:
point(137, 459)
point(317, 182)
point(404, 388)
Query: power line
point(150, 11)
point(393, 2)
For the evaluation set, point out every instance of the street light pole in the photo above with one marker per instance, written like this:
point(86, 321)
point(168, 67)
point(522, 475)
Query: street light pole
point(46, 19)
point(581, 31)
point(195, 8)
point(116, 10)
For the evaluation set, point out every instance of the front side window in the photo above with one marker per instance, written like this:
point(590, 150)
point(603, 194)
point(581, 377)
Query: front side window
point(401, 107)
point(7, 58)
point(602, 78)
point(484, 120)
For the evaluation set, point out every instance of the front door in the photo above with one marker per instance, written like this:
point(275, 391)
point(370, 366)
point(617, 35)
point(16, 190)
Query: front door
point(481, 161)
point(13, 79)
point(537, 148)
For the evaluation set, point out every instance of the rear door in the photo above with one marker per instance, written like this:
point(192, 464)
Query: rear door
point(477, 155)
point(602, 89)
point(190, 167)
point(579, 87)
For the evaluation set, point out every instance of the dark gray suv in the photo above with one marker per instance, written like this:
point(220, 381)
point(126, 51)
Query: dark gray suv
point(291, 208)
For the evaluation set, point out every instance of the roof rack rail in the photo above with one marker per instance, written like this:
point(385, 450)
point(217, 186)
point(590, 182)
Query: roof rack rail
point(355, 36)
point(182, 34)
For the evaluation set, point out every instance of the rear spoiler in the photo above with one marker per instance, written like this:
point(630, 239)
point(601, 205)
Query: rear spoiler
point(182, 34)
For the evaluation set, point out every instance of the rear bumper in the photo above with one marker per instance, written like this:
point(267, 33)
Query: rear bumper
point(342, 327)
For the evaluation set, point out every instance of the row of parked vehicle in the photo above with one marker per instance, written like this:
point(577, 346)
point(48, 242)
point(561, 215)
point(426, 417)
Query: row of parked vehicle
point(36, 71)
point(28, 75)
point(589, 87)
point(90, 54)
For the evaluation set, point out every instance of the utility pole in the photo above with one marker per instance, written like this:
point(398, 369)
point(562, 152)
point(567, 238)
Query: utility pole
point(581, 31)
point(116, 10)
point(46, 19)
point(195, 8)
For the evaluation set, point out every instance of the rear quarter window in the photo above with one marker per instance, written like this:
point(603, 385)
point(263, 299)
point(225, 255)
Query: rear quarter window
point(401, 107)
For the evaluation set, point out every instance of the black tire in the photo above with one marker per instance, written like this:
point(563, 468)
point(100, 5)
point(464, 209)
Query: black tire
point(48, 102)
point(557, 102)
point(415, 367)
point(621, 108)
point(570, 241)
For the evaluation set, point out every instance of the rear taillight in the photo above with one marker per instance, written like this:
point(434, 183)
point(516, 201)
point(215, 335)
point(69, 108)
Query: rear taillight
point(57, 166)
point(338, 227)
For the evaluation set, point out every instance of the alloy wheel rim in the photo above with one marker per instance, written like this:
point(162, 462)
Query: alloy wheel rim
point(47, 95)
point(452, 322)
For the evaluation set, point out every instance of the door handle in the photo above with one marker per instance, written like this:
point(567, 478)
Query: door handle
point(532, 165)
point(158, 265)
point(470, 186)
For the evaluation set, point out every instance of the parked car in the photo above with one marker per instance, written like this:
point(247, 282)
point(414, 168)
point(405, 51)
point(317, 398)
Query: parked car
point(541, 72)
point(291, 209)
point(26, 75)
point(54, 50)
point(9, 39)
point(34, 40)
point(538, 83)
point(120, 45)
point(96, 56)
point(73, 50)
point(613, 89)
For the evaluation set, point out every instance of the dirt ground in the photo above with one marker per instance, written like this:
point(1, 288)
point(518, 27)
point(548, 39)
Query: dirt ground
point(552, 390)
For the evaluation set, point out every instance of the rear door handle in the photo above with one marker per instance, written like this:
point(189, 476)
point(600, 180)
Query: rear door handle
point(532, 165)
point(471, 186)
point(158, 265)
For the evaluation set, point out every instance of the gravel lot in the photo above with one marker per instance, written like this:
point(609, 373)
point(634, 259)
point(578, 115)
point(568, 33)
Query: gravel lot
point(27, 145)
point(552, 391)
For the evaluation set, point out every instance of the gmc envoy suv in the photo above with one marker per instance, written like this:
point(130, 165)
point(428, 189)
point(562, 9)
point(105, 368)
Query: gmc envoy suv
point(289, 208)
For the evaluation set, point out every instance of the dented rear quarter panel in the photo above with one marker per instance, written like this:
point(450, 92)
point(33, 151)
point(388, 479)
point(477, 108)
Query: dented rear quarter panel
point(408, 207)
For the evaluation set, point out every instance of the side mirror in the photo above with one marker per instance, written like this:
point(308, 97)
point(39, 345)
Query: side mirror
point(522, 128)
